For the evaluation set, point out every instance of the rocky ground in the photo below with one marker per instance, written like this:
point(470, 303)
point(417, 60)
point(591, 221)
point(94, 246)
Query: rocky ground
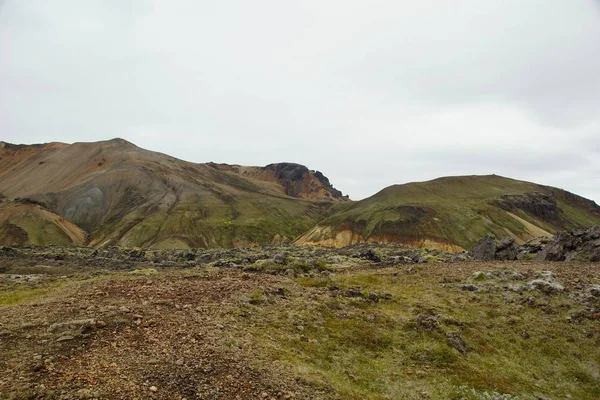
point(369, 322)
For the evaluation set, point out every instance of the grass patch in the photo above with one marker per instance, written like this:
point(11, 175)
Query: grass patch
point(23, 294)
point(376, 349)
point(143, 272)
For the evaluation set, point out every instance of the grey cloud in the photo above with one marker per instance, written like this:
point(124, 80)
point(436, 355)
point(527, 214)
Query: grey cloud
point(370, 93)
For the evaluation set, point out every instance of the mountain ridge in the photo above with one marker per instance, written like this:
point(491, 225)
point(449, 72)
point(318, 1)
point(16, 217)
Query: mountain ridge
point(453, 213)
point(122, 194)
point(116, 193)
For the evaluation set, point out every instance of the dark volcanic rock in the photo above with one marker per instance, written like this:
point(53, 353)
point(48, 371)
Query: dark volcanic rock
point(456, 341)
point(506, 250)
point(532, 247)
point(371, 255)
point(485, 250)
point(293, 176)
point(325, 181)
point(558, 250)
point(595, 256)
point(541, 205)
point(581, 245)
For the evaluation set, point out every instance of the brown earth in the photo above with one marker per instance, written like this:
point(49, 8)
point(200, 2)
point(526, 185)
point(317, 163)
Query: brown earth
point(118, 193)
point(70, 331)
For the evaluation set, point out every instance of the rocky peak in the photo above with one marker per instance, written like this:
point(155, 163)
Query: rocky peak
point(299, 181)
point(120, 142)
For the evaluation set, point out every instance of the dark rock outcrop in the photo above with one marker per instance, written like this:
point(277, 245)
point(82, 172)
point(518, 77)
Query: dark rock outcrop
point(294, 177)
point(579, 244)
point(456, 341)
point(532, 247)
point(506, 249)
point(541, 205)
point(487, 249)
point(371, 255)
point(325, 181)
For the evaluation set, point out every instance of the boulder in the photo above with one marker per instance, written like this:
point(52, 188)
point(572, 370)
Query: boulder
point(580, 245)
point(427, 322)
point(506, 250)
point(371, 255)
point(485, 250)
point(460, 257)
point(279, 258)
point(456, 341)
point(595, 255)
point(488, 249)
point(545, 286)
point(81, 325)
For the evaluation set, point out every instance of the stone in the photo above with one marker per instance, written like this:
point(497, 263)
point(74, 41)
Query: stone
point(279, 258)
point(153, 389)
point(456, 341)
point(290, 272)
point(480, 276)
point(545, 286)
point(82, 325)
point(371, 255)
point(65, 338)
point(575, 245)
point(485, 250)
point(399, 260)
point(460, 257)
point(506, 250)
point(427, 322)
point(469, 288)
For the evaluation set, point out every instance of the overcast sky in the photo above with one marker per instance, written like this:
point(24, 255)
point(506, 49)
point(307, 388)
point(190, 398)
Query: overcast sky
point(371, 93)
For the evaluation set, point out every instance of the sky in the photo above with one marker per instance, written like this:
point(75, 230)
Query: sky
point(371, 93)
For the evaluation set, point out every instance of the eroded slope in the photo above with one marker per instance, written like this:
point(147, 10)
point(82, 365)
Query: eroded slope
point(119, 193)
point(455, 212)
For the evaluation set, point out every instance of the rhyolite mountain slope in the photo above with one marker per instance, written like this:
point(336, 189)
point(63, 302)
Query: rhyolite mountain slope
point(115, 193)
point(453, 213)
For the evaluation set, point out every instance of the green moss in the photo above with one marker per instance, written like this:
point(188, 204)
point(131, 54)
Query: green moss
point(257, 297)
point(376, 350)
point(41, 231)
point(454, 210)
point(144, 272)
point(206, 221)
point(25, 294)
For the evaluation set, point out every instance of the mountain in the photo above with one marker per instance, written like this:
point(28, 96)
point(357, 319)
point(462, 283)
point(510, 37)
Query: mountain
point(115, 193)
point(453, 213)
